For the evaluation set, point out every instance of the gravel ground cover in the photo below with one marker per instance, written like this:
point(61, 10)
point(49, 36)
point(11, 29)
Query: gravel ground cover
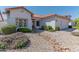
point(67, 40)
point(59, 41)
point(38, 44)
point(57, 45)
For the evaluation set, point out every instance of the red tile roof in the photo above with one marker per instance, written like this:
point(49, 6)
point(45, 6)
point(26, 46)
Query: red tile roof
point(14, 8)
point(19, 7)
point(35, 16)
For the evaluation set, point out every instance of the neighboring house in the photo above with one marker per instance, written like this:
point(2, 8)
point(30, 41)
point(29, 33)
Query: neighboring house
point(22, 17)
point(51, 20)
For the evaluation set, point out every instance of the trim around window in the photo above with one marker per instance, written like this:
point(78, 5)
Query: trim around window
point(21, 22)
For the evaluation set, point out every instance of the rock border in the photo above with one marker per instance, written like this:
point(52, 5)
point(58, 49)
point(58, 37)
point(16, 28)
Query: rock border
point(56, 45)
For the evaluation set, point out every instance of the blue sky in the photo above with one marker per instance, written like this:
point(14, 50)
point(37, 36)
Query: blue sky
point(62, 10)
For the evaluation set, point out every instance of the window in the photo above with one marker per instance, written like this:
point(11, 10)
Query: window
point(21, 22)
point(38, 23)
point(17, 22)
point(24, 22)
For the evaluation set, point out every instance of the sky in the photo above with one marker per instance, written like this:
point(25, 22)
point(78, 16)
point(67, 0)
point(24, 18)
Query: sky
point(73, 11)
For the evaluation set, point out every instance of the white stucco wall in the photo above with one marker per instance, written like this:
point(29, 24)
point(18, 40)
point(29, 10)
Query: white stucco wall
point(22, 14)
point(4, 17)
point(62, 23)
point(48, 22)
point(71, 23)
point(54, 22)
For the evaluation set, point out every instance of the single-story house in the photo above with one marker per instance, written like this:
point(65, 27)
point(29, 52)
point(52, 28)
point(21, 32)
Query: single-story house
point(51, 20)
point(22, 17)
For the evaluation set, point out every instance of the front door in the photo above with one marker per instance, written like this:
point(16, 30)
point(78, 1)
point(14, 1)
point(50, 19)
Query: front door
point(37, 24)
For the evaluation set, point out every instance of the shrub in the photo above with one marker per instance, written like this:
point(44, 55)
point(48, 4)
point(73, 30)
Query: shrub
point(0, 31)
point(24, 30)
point(44, 27)
point(21, 44)
point(47, 28)
point(57, 28)
point(8, 29)
point(76, 27)
point(2, 46)
point(76, 21)
point(50, 28)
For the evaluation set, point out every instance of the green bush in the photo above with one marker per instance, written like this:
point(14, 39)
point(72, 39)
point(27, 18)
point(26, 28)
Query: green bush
point(76, 21)
point(21, 44)
point(50, 28)
point(44, 27)
point(57, 28)
point(76, 27)
point(24, 30)
point(2, 46)
point(47, 28)
point(8, 29)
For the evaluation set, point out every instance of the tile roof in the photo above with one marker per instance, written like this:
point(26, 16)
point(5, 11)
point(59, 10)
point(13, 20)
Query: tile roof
point(35, 16)
point(41, 16)
point(19, 7)
point(14, 8)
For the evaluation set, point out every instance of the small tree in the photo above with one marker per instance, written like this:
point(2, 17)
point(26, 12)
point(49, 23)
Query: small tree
point(76, 21)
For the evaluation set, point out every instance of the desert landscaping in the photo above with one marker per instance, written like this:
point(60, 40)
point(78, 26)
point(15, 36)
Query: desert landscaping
point(24, 31)
point(59, 41)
